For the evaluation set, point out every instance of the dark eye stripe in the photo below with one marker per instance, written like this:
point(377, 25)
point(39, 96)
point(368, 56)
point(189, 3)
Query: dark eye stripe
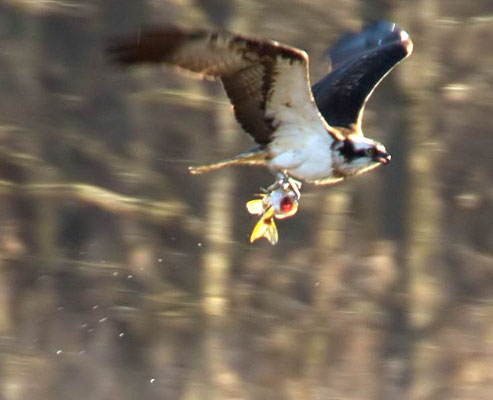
point(349, 153)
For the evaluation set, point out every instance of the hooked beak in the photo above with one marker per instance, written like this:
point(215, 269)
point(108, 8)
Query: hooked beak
point(383, 158)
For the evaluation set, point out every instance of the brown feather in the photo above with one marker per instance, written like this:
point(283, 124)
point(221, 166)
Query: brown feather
point(246, 66)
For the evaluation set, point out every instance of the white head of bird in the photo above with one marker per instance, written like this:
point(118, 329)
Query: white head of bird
point(357, 154)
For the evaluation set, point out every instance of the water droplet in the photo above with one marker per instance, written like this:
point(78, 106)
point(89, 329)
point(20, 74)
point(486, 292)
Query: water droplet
point(152, 380)
point(104, 319)
point(59, 351)
point(121, 334)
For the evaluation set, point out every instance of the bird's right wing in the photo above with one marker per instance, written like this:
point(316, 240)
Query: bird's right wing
point(359, 62)
point(267, 82)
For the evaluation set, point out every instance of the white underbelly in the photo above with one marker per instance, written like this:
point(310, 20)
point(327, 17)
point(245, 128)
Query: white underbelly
point(311, 170)
point(303, 153)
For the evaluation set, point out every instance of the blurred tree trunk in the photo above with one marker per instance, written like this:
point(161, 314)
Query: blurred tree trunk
point(395, 358)
point(410, 215)
point(327, 266)
point(423, 209)
point(223, 382)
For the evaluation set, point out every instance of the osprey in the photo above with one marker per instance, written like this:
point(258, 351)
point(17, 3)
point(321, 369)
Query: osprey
point(269, 88)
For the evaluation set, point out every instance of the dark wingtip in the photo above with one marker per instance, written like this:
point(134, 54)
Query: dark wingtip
point(120, 54)
point(134, 49)
point(149, 45)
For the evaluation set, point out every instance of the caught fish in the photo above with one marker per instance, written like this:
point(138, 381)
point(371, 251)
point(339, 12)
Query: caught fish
point(279, 201)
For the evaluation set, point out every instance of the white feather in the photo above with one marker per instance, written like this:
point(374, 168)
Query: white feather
point(301, 142)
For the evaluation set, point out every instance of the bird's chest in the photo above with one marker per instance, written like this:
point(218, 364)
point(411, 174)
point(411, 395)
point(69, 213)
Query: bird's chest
point(317, 165)
point(305, 155)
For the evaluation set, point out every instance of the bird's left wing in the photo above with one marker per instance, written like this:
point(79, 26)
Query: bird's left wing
point(359, 62)
point(267, 82)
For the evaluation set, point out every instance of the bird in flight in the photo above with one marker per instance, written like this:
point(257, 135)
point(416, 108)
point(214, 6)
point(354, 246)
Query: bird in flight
point(314, 136)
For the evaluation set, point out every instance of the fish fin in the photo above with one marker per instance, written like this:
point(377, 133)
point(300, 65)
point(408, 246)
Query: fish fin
point(255, 206)
point(257, 156)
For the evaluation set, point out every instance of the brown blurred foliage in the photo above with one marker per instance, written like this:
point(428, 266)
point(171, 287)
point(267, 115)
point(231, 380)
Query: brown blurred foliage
point(122, 277)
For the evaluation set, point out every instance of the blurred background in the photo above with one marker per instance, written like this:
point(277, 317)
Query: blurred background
point(123, 277)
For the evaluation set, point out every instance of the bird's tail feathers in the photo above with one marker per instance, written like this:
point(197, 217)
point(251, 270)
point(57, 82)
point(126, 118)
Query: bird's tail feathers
point(257, 156)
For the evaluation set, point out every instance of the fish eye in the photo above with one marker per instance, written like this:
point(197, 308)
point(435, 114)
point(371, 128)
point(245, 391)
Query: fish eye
point(370, 152)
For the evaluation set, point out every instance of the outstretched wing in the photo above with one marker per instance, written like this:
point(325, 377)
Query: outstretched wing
point(359, 61)
point(267, 82)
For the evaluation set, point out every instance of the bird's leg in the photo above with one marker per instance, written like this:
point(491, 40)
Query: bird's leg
point(295, 186)
point(278, 183)
point(283, 181)
point(286, 182)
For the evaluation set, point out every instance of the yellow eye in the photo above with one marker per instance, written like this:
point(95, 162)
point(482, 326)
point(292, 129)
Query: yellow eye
point(370, 152)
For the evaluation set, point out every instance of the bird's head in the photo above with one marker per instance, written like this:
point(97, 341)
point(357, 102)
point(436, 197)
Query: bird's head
point(357, 154)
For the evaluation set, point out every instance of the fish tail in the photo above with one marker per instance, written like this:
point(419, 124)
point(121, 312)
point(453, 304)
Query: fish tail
point(271, 233)
point(265, 227)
